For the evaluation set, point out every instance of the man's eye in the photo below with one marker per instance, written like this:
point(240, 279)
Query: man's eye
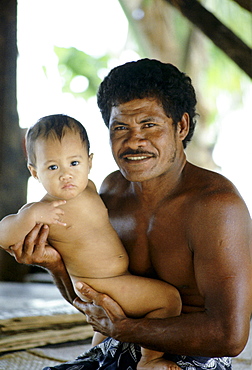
point(150, 124)
point(75, 163)
point(53, 167)
point(120, 128)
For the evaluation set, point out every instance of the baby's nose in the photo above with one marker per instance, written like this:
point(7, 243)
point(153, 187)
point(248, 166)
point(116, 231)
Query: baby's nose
point(66, 175)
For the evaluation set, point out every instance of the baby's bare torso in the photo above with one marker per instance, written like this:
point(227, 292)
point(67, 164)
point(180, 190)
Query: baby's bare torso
point(88, 244)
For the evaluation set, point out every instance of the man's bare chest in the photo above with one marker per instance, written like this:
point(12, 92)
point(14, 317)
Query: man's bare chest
point(156, 243)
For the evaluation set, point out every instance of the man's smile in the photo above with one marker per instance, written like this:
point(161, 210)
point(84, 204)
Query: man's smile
point(136, 155)
point(136, 158)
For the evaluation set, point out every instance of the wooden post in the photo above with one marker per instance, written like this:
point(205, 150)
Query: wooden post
point(13, 172)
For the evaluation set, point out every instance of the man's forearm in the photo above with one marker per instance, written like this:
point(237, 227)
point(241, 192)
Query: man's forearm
point(192, 334)
point(213, 332)
point(63, 282)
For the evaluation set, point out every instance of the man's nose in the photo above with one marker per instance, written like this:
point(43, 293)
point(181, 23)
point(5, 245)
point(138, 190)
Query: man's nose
point(136, 138)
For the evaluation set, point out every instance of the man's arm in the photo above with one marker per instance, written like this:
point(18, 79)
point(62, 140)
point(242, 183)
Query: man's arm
point(36, 251)
point(221, 239)
point(14, 228)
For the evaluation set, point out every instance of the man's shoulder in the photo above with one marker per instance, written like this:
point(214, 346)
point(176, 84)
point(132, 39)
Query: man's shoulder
point(113, 188)
point(211, 192)
point(208, 181)
point(113, 182)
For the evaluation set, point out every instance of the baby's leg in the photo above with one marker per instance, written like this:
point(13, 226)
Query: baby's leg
point(140, 297)
point(155, 362)
point(97, 338)
point(153, 359)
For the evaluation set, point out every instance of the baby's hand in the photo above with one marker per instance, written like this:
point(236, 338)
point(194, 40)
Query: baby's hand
point(49, 212)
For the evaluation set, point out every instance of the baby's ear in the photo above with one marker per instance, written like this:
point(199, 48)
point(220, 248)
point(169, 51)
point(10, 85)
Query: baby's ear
point(90, 160)
point(33, 171)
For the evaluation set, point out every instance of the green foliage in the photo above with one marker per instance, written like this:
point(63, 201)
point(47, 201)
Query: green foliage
point(73, 63)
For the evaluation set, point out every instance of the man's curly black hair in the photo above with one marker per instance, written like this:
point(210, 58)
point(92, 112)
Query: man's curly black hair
point(149, 78)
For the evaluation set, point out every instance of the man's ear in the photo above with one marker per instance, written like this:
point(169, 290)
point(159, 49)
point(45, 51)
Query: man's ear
point(33, 171)
point(183, 126)
point(90, 160)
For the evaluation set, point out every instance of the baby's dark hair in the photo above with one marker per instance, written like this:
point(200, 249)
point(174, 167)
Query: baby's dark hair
point(149, 78)
point(53, 126)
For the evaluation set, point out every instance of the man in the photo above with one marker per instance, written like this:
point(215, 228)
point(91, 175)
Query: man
point(178, 222)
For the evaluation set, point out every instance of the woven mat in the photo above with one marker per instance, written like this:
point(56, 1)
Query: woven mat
point(24, 361)
point(38, 358)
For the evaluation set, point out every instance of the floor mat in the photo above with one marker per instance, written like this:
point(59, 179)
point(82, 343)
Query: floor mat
point(24, 361)
point(38, 358)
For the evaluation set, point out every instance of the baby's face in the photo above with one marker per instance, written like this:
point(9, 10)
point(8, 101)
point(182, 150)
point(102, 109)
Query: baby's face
point(62, 166)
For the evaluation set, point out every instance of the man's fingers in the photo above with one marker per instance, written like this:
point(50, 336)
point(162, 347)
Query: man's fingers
point(111, 307)
point(41, 238)
point(80, 304)
point(31, 239)
point(15, 247)
point(16, 251)
point(101, 311)
point(89, 294)
point(10, 250)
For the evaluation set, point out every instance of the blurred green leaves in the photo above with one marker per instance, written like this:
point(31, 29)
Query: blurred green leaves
point(74, 64)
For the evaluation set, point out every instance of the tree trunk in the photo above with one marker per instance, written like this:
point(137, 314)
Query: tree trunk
point(13, 173)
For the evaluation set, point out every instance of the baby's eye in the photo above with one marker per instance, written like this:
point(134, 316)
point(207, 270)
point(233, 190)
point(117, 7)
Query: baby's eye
point(53, 167)
point(75, 163)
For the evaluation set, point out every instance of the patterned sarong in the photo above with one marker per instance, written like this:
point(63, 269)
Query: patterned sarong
point(114, 355)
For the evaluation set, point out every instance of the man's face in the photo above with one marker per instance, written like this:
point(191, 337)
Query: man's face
point(143, 139)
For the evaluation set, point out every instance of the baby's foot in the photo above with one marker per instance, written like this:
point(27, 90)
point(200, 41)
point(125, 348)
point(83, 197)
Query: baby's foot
point(157, 364)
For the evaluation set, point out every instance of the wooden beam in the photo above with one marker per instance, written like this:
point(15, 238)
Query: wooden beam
point(246, 4)
point(220, 35)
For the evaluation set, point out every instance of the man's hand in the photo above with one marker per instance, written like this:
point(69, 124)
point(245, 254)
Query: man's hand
point(35, 250)
point(102, 312)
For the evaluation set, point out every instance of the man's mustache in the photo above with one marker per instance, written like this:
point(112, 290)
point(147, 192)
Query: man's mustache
point(135, 152)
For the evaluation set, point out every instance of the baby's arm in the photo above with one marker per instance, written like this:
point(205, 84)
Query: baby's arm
point(14, 228)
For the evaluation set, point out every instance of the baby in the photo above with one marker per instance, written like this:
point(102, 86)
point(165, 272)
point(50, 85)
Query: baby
point(80, 230)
